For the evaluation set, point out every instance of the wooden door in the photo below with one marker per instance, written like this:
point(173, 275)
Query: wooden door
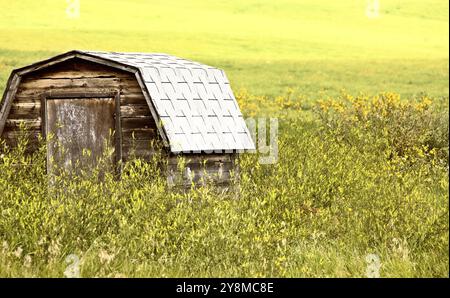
point(81, 130)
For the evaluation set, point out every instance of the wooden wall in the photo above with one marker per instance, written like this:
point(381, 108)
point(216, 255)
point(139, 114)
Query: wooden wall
point(218, 168)
point(77, 75)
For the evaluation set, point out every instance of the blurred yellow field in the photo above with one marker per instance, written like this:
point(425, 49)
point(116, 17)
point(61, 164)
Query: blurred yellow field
point(315, 46)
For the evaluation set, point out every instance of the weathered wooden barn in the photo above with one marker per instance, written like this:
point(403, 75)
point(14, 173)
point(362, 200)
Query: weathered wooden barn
point(80, 97)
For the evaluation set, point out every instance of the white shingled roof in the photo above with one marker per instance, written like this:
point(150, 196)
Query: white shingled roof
point(195, 103)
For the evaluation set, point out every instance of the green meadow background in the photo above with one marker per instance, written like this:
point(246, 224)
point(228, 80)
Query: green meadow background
point(318, 47)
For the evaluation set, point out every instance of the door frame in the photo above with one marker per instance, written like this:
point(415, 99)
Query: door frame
point(79, 95)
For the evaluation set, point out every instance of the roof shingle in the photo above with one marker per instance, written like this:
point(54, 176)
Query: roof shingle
point(194, 101)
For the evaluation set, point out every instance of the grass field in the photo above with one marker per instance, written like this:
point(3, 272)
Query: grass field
point(359, 173)
point(265, 46)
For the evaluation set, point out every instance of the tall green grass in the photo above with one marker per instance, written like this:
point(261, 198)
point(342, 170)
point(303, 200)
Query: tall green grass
point(343, 188)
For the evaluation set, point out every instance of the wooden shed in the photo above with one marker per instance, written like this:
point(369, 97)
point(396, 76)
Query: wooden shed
point(80, 97)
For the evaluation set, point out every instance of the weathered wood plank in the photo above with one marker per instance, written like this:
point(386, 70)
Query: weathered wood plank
point(29, 123)
point(139, 133)
point(14, 141)
point(124, 82)
point(173, 159)
point(68, 83)
point(19, 133)
point(37, 93)
point(27, 99)
point(129, 144)
point(138, 110)
point(30, 107)
point(209, 166)
point(16, 130)
point(12, 138)
point(127, 97)
point(198, 177)
point(24, 110)
point(131, 90)
point(8, 98)
point(129, 153)
point(138, 122)
point(78, 74)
